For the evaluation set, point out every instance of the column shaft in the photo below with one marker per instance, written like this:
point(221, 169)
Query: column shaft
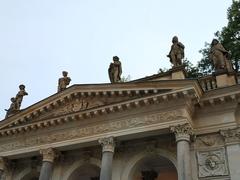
point(183, 160)
point(1, 174)
point(46, 171)
point(106, 167)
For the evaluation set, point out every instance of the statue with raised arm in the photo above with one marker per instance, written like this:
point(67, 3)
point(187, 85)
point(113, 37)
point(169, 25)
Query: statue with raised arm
point(19, 96)
point(64, 81)
point(176, 53)
point(220, 57)
point(115, 70)
point(12, 109)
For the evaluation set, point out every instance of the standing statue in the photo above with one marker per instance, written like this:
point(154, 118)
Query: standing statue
point(16, 102)
point(176, 53)
point(63, 82)
point(12, 109)
point(115, 70)
point(19, 96)
point(220, 57)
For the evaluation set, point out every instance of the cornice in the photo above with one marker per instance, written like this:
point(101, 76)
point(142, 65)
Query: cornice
point(188, 93)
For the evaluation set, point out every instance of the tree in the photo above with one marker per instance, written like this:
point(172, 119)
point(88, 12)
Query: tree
point(205, 66)
point(192, 71)
point(229, 37)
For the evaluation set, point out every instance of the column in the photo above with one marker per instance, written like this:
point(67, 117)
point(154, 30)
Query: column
point(2, 167)
point(232, 142)
point(108, 146)
point(49, 156)
point(182, 134)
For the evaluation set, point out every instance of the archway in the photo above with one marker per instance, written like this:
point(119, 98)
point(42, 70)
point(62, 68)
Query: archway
point(157, 165)
point(85, 172)
point(28, 174)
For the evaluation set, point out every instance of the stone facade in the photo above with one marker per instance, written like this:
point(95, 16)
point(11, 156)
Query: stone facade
point(160, 127)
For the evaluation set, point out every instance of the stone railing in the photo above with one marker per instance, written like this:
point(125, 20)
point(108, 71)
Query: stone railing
point(208, 82)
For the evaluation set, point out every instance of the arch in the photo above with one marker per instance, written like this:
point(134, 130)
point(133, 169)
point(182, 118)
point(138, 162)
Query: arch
point(26, 172)
point(131, 165)
point(78, 164)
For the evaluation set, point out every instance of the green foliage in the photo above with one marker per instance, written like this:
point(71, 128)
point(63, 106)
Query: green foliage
point(204, 65)
point(192, 71)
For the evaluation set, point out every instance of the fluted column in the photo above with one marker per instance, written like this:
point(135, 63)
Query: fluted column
point(108, 146)
point(183, 133)
point(49, 156)
point(2, 167)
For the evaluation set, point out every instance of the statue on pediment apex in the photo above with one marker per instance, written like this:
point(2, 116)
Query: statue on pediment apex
point(115, 70)
point(64, 81)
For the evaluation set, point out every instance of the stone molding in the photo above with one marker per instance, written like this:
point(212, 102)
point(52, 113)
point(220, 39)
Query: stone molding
point(163, 118)
point(183, 132)
point(14, 127)
point(49, 154)
point(231, 136)
point(107, 143)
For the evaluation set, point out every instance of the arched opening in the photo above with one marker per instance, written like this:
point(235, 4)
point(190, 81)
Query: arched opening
point(86, 172)
point(33, 175)
point(154, 167)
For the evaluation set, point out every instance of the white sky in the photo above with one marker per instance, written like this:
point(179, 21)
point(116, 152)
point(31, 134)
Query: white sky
point(41, 38)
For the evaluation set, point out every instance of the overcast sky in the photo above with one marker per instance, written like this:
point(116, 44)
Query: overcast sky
point(41, 38)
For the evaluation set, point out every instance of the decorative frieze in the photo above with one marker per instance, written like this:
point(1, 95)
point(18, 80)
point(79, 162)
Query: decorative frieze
point(182, 131)
point(231, 135)
point(49, 154)
point(80, 132)
point(212, 163)
point(107, 143)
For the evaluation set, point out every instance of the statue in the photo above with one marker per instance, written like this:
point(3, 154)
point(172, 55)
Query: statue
point(115, 70)
point(63, 82)
point(176, 53)
point(12, 109)
point(16, 102)
point(220, 57)
point(19, 96)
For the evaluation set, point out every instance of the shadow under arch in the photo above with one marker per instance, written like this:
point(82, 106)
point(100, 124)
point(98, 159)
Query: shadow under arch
point(81, 163)
point(130, 167)
point(28, 174)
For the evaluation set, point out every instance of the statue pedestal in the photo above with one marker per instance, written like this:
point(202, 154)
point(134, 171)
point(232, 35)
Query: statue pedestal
point(178, 72)
point(225, 79)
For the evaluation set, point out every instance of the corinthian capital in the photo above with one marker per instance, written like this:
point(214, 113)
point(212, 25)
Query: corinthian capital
point(182, 132)
point(49, 154)
point(231, 135)
point(107, 143)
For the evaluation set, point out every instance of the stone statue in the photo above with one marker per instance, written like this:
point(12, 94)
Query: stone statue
point(12, 109)
point(64, 81)
point(176, 53)
point(220, 57)
point(19, 96)
point(115, 70)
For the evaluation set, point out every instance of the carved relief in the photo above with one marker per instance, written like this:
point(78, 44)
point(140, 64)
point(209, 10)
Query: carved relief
point(212, 163)
point(80, 132)
point(231, 135)
point(207, 141)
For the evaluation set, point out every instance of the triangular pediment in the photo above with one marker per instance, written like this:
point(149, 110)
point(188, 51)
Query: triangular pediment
point(87, 99)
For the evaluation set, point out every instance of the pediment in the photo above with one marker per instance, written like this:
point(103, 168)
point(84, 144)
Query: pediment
point(86, 100)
